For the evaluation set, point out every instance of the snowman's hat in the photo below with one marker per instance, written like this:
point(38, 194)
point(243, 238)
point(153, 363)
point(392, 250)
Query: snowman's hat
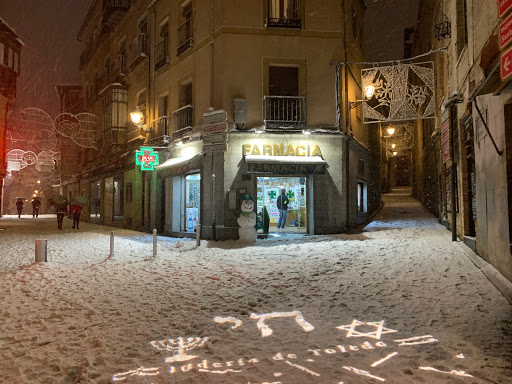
point(246, 196)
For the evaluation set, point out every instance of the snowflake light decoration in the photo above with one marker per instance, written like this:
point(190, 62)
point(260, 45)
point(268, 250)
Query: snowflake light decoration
point(402, 92)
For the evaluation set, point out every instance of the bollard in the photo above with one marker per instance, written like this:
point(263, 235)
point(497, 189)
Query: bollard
point(111, 244)
point(41, 250)
point(154, 242)
point(198, 235)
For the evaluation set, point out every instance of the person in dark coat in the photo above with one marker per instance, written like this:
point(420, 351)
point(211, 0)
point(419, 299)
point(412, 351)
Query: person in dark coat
point(282, 205)
point(19, 206)
point(62, 209)
point(75, 210)
point(35, 207)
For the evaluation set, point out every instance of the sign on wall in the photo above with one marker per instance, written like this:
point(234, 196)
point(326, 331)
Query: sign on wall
point(146, 158)
point(401, 92)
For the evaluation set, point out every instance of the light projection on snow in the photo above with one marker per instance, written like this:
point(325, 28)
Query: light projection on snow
point(351, 329)
point(179, 345)
point(304, 362)
point(267, 331)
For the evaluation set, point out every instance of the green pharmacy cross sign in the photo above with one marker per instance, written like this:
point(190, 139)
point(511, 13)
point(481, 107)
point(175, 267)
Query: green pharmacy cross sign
point(146, 158)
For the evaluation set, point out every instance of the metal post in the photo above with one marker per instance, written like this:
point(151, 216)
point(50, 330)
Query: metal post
point(154, 242)
point(41, 250)
point(198, 235)
point(111, 244)
point(214, 213)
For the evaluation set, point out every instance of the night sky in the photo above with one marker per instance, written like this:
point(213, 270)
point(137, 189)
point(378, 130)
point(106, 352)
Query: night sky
point(52, 52)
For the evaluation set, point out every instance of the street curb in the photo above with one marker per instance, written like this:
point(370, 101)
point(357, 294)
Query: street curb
point(495, 277)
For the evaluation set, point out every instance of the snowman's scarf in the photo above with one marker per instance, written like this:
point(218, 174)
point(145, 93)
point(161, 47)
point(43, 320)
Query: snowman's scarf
point(246, 214)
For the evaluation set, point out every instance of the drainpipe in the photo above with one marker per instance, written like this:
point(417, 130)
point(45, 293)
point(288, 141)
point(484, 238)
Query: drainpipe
point(214, 208)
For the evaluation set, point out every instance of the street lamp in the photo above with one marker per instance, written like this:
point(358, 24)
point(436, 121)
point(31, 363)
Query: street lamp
point(395, 153)
point(137, 117)
point(391, 131)
point(369, 91)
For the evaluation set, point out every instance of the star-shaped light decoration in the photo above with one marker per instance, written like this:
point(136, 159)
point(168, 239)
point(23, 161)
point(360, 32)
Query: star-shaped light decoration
point(380, 330)
point(146, 158)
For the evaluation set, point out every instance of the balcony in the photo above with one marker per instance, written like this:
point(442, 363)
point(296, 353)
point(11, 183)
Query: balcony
point(160, 131)
point(118, 68)
point(182, 122)
point(284, 113)
point(113, 12)
point(138, 50)
point(185, 40)
point(162, 54)
point(283, 14)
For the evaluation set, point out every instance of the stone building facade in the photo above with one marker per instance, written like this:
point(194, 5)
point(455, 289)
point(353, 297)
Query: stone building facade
point(235, 99)
point(10, 53)
point(470, 135)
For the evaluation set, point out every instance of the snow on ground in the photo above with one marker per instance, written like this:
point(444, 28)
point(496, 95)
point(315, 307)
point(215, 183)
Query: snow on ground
point(396, 303)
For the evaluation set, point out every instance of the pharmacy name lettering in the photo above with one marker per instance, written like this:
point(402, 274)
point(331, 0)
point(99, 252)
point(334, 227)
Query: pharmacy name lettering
point(184, 357)
point(281, 150)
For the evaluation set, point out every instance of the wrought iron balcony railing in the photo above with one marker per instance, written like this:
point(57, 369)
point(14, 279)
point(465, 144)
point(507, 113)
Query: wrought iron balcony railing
point(185, 39)
point(284, 14)
point(138, 49)
point(182, 121)
point(162, 53)
point(113, 12)
point(285, 112)
point(160, 131)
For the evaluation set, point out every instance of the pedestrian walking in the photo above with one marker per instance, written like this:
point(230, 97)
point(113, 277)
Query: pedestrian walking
point(282, 205)
point(19, 206)
point(36, 203)
point(75, 210)
point(61, 208)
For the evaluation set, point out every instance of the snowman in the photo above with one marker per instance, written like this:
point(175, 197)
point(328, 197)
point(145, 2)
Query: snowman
point(247, 220)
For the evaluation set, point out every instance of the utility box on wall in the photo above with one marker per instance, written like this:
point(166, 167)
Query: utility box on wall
point(240, 111)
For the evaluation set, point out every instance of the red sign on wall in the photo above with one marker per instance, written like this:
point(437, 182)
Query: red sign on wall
point(505, 31)
point(506, 64)
point(503, 7)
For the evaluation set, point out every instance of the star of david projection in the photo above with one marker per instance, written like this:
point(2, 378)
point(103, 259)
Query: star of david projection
point(380, 330)
point(146, 158)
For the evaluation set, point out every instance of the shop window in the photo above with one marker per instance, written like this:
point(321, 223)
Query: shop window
point(95, 201)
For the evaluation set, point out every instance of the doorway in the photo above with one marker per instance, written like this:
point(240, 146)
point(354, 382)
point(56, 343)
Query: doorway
point(185, 200)
point(269, 188)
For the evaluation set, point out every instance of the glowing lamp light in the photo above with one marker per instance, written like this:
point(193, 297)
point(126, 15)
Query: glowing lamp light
point(306, 132)
point(395, 153)
point(391, 131)
point(369, 91)
point(38, 181)
point(393, 146)
point(136, 115)
point(33, 195)
point(36, 191)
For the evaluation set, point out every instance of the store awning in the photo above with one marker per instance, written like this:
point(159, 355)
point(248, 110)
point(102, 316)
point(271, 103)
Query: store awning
point(176, 165)
point(285, 165)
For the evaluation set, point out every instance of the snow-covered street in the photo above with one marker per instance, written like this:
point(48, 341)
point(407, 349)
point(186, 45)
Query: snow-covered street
point(396, 303)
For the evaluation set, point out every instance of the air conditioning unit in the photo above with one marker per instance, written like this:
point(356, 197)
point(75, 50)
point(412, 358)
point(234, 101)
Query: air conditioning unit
point(240, 111)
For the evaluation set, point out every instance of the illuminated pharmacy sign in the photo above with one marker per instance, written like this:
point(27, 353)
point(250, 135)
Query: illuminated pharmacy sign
point(281, 150)
point(146, 158)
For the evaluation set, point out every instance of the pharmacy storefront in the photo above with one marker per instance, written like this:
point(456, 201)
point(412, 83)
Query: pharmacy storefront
point(308, 167)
